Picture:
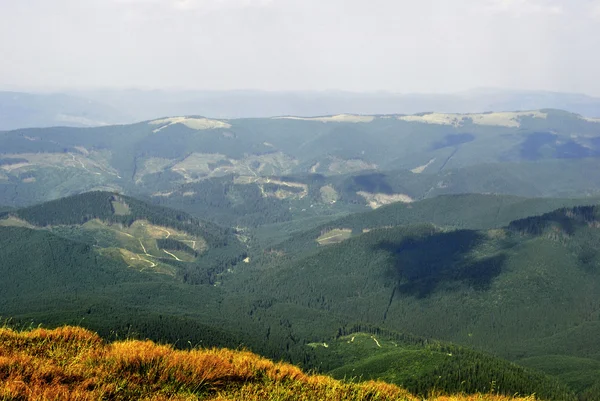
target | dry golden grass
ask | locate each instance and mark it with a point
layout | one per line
(71, 363)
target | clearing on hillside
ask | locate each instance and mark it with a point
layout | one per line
(339, 118)
(141, 237)
(329, 194)
(13, 221)
(121, 208)
(380, 199)
(193, 123)
(502, 119)
(334, 236)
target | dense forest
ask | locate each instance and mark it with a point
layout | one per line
(434, 281)
(67, 282)
(224, 248)
(470, 211)
(443, 365)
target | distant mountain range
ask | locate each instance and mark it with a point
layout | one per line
(250, 172)
(101, 107)
(20, 110)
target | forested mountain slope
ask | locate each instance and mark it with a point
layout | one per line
(529, 289)
(467, 211)
(68, 282)
(67, 273)
(143, 236)
(49, 279)
(117, 209)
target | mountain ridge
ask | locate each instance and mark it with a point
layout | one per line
(296, 168)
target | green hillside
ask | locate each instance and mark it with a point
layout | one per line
(117, 209)
(68, 282)
(419, 365)
(141, 235)
(526, 290)
(468, 211)
(471, 293)
(254, 202)
(52, 280)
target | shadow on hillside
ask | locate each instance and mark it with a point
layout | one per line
(532, 146)
(373, 183)
(426, 264)
(453, 140)
(566, 220)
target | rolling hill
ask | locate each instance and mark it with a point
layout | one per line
(465, 211)
(101, 107)
(234, 171)
(144, 105)
(143, 236)
(528, 290)
(75, 285)
(56, 274)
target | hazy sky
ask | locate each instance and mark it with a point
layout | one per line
(359, 45)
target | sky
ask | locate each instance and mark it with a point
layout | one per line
(425, 46)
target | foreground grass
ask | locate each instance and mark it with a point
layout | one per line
(71, 363)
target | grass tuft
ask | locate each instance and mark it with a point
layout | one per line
(71, 363)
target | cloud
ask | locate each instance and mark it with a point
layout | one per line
(522, 8)
(395, 45)
(225, 3)
(200, 4)
(596, 9)
(192, 5)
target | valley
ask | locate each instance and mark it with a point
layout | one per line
(438, 252)
(298, 200)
